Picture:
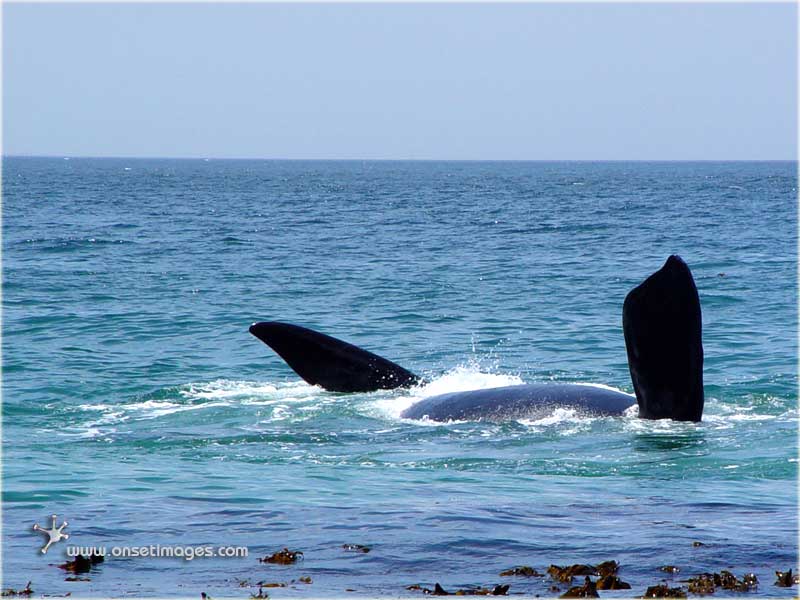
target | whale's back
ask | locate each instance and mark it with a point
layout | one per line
(520, 402)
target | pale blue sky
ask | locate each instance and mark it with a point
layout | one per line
(441, 81)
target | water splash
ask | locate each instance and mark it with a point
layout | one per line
(460, 379)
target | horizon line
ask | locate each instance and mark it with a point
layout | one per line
(356, 159)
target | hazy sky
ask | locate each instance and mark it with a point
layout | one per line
(458, 81)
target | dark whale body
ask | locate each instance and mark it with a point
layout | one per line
(662, 327)
(520, 402)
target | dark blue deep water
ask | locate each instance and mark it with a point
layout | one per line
(137, 406)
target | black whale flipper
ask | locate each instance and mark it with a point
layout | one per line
(330, 363)
(662, 324)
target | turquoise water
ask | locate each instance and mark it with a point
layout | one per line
(137, 406)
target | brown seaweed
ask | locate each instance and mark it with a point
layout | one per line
(669, 569)
(587, 590)
(498, 590)
(283, 557)
(438, 590)
(565, 574)
(81, 563)
(706, 583)
(26, 591)
(609, 567)
(612, 582)
(750, 579)
(785, 578)
(728, 581)
(664, 591)
(702, 584)
(522, 572)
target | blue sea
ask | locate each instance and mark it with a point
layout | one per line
(138, 408)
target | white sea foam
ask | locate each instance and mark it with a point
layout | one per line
(88, 431)
(297, 399)
(460, 379)
(249, 393)
(657, 426)
(224, 388)
(162, 409)
(101, 407)
(631, 412)
(603, 386)
(750, 417)
(560, 415)
(285, 399)
(716, 416)
(150, 409)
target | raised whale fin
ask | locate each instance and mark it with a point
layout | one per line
(662, 324)
(330, 363)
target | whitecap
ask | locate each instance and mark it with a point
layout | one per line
(559, 416)
(460, 379)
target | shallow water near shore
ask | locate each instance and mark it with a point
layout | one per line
(137, 407)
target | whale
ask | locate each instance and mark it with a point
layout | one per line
(662, 331)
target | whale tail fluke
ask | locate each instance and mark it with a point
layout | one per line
(662, 324)
(330, 363)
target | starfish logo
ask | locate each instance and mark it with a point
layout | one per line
(55, 533)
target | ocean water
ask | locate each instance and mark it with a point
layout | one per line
(137, 407)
